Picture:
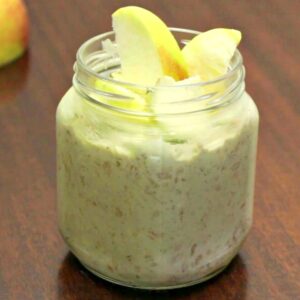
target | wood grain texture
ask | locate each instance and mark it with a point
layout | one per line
(34, 261)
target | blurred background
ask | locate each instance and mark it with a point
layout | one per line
(34, 262)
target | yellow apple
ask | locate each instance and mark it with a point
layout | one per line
(147, 48)
(13, 30)
(208, 55)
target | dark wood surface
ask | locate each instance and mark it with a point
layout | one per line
(34, 261)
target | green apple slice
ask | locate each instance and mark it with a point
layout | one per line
(123, 98)
(146, 47)
(119, 96)
(208, 55)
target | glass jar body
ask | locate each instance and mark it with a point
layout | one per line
(151, 207)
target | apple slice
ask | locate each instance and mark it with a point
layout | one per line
(118, 96)
(208, 54)
(124, 98)
(146, 47)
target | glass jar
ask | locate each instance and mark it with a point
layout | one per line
(155, 184)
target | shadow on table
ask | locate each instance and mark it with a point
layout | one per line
(75, 282)
(13, 78)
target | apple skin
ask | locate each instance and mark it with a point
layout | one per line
(14, 30)
(147, 48)
(208, 54)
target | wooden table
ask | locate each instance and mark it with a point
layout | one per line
(34, 261)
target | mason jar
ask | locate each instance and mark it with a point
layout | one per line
(155, 184)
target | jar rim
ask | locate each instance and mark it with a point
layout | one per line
(80, 61)
(89, 55)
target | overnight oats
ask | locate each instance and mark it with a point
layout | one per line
(156, 150)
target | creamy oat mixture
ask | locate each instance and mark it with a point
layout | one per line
(147, 209)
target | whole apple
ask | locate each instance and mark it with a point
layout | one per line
(14, 27)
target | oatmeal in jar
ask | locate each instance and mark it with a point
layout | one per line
(155, 178)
